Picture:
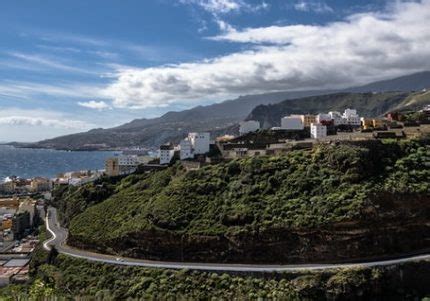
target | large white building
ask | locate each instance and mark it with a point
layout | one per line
(292, 123)
(318, 131)
(167, 152)
(351, 117)
(200, 142)
(185, 149)
(248, 126)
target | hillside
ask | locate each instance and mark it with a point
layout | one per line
(367, 104)
(218, 118)
(366, 200)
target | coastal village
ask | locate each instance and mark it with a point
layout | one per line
(23, 201)
(294, 132)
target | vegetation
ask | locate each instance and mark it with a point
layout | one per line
(68, 277)
(301, 190)
(73, 200)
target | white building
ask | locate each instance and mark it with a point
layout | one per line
(337, 118)
(323, 118)
(249, 126)
(128, 160)
(166, 153)
(200, 142)
(318, 131)
(185, 149)
(351, 117)
(292, 123)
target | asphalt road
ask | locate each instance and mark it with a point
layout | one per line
(59, 237)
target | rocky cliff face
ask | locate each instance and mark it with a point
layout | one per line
(393, 224)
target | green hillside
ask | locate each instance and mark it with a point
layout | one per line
(228, 211)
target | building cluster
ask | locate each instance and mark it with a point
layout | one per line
(193, 145)
(18, 218)
(14, 270)
(125, 164)
(76, 178)
(316, 124)
(305, 130)
(16, 185)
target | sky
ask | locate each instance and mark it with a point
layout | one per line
(70, 66)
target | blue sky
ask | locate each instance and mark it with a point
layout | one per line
(68, 66)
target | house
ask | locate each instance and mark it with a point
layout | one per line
(185, 149)
(200, 142)
(40, 184)
(336, 117)
(366, 123)
(248, 126)
(123, 165)
(351, 117)
(292, 122)
(378, 123)
(307, 119)
(167, 152)
(395, 116)
(318, 131)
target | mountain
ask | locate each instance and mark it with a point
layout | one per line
(367, 104)
(413, 82)
(217, 118)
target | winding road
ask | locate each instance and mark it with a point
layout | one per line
(59, 237)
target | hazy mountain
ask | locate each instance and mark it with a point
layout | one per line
(223, 117)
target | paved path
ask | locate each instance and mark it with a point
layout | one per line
(59, 236)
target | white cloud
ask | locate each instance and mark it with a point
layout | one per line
(28, 90)
(49, 63)
(96, 105)
(40, 118)
(225, 6)
(313, 6)
(362, 48)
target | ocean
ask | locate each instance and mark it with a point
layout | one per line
(29, 163)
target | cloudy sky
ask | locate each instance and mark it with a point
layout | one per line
(68, 66)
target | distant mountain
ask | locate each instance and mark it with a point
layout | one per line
(370, 104)
(412, 82)
(217, 118)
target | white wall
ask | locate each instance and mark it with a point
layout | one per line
(292, 123)
(318, 131)
(200, 142)
(185, 149)
(249, 126)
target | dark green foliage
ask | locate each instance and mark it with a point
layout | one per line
(73, 200)
(75, 278)
(304, 189)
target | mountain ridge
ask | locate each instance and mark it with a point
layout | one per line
(218, 118)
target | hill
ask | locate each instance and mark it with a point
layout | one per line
(219, 118)
(368, 104)
(334, 202)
